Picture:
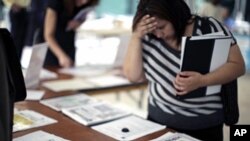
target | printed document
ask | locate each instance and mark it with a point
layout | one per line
(39, 136)
(27, 119)
(95, 113)
(170, 136)
(128, 128)
(59, 103)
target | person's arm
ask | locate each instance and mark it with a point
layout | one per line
(50, 27)
(133, 66)
(234, 68)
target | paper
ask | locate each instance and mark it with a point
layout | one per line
(85, 71)
(28, 119)
(35, 66)
(34, 95)
(68, 85)
(44, 74)
(128, 128)
(204, 54)
(68, 101)
(39, 136)
(108, 81)
(95, 113)
(169, 136)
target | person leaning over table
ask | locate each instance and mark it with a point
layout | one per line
(154, 55)
(59, 30)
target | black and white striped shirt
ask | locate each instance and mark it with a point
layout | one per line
(161, 64)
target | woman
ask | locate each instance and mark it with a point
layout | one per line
(60, 29)
(154, 55)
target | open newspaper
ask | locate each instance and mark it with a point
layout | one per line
(39, 136)
(128, 128)
(27, 119)
(64, 102)
(95, 113)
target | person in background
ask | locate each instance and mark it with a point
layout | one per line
(214, 9)
(35, 21)
(19, 21)
(154, 55)
(59, 30)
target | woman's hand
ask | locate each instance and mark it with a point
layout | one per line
(65, 61)
(188, 81)
(146, 25)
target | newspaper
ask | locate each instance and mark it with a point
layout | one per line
(27, 119)
(39, 136)
(128, 128)
(95, 113)
(68, 101)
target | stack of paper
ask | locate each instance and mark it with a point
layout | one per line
(170, 136)
(95, 113)
(128, 128)
(28, 119)
(39, 136)
(68, 101)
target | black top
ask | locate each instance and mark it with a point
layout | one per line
(64, 38)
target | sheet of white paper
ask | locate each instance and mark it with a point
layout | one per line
(128, 128)
(108, 80)
(68, 85)
(34, 94)
(39, 136)
(68, 101)
(28, 119)
(95, 113)
(85, 71)
(35, 65)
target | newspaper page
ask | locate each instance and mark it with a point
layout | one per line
(95, 113)
(128, 128)
(27, 119)
(39, 136)
(68, 101)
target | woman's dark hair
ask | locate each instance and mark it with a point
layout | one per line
(175, 11)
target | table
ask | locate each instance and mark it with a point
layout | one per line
(68, 128)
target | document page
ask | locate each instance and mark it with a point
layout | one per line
(68, 101)
(39, 136)
(95, 113)
(128, 128)
(34, 94)
(27, 119)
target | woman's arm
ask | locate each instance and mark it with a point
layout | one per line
(234, 68)
(50, 27)
(133, 67)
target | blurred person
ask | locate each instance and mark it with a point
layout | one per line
(59, 30)
(214, 9)
(19, 20)
(154, 54)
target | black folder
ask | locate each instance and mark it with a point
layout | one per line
(204, 54)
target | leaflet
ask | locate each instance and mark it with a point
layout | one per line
(128, 128)
(27, 119)
(68, 101)
(95, 113)
(39, 136)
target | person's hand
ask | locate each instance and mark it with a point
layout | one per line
(65, 61)
(187, 81)
(73, 25)
(146, 25)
